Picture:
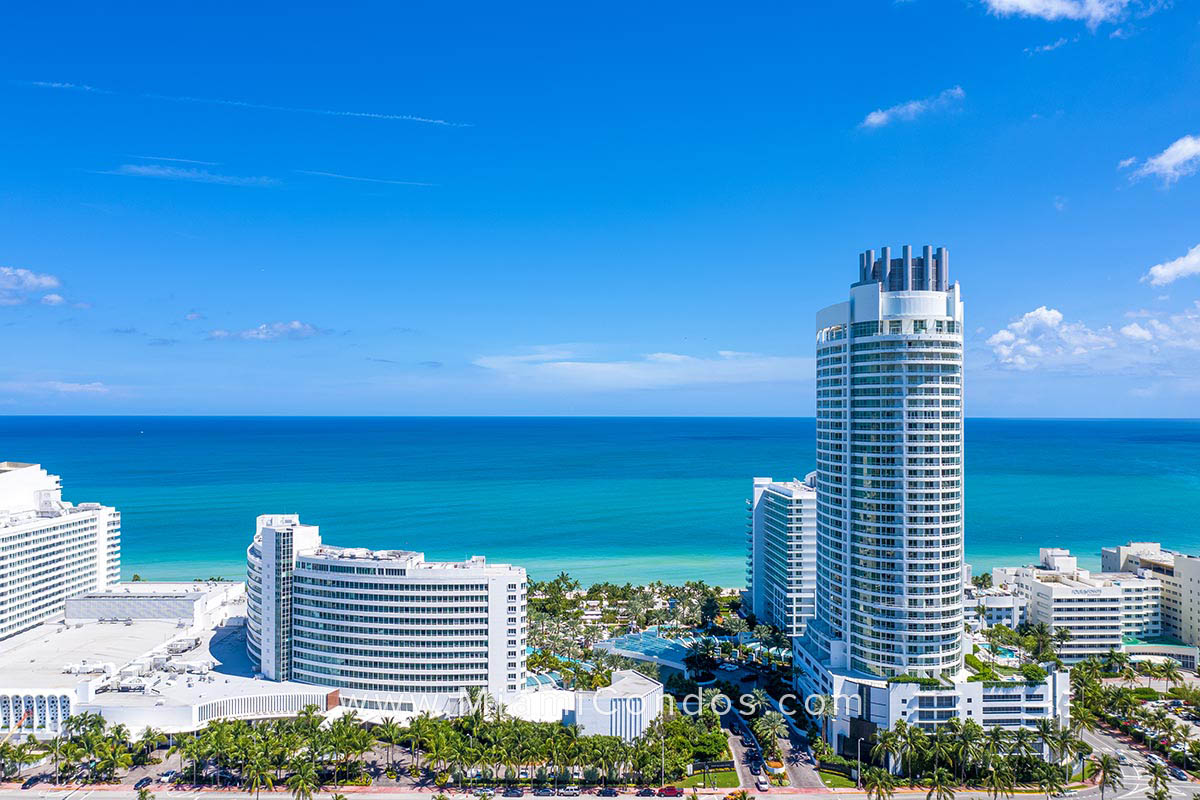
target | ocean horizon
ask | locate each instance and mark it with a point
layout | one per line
(604, 498)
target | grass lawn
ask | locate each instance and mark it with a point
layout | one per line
(835, 780)
(721, 779)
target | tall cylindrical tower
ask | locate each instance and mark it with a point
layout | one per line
(890, 469)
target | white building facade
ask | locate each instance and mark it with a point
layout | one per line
(1180, 578)
(1100, 611)
(781, 560)
(887, 640)
(386, 627)
(50, 549)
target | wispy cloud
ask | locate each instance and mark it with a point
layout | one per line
(192, 316)
(1047, 48)
(1093, 12)
(78, 87)
(17, 285)
(178, 160)
(269, 331)
(1170, 271)
(357, 178)
(189, 174)
(1179, 160)
(216, 101)
(561, 367)
(53, 299)
(53, 387)
(910, 110)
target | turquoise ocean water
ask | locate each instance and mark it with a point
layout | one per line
(621, 499)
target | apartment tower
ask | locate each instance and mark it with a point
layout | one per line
(889, 597)
(781, 559)
(50, 550)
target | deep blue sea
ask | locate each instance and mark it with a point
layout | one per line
(620, 499)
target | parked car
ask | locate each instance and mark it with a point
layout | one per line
(647, 792)
(755, 769)
(544, 792)
(762, 785)
(513, 791)
(1178, 774)
(30, 782)
(484, 791)
(168, 776)
(607, 791)
(670, 791)
(143, 783)
(569, 791)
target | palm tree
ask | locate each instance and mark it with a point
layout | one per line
(258, 775)
(879, 783)
(390, 733)
(1169, 672)
(941, 785)
(999, 780)
(886, 747)
(1050, 780)
(144, 794)
(770, 728)
(1107, 771)
(824, 709)
(1061, 637)
(304, 780)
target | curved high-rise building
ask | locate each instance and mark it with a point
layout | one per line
(890, 470)
(382, 625)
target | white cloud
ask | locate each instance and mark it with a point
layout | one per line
(53, 387)
(17, 285)
(53, 299)
(1046, 48)
(560, 367)
(1160, 344)
(1171, 271)
(1179, 160)
(189, 174)
(269, 331)
(79, 87)
(913, 108)
(1093, 12)
(1060, 203)
(1136, 331)
(192, 316)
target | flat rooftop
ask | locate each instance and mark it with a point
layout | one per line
(35, 659)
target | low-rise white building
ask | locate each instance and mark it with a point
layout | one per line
(625, 709)
(1180, 578)
(50, 549)
(1098, 610)
(1000, 606)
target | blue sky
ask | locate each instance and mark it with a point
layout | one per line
(562, 209)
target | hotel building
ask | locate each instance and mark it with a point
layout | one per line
(384, 626)
(1180, 578)
(887, 639)
(781, 562)
(50, 550)
(1100, 611)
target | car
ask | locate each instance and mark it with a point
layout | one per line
(543, 792)
(670, 791)
(1122, 758)
(31, 782)
(1178, 774)
(607, 791)
(755, 769)
(484, 791)
(569, 791)
(143, 783)
(513, 791)
(762, 785)
(647, 792)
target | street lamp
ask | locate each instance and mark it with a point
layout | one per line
(858, 770)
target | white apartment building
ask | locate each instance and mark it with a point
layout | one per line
(50, 549)
(1100, 611)
(386, 627)
(1180, 577)
(781, 560)
(1000, 606)
(887, 640)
